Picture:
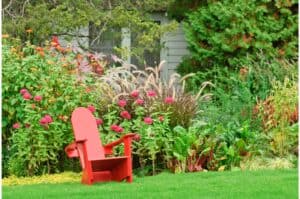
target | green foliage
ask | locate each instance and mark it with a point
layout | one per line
(235, 131)
(39, 20)
(222, 33)
(280, 116)
(33, 147)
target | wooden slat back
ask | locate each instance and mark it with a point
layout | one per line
(85, 128)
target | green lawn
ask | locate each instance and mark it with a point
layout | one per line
(274, 184)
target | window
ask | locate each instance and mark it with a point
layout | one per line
(106, 42)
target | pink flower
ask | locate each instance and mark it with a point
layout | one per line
(122, 103)
(48, 118)
(151, 93)
(161, 118)
(169, 100)
(43, 121)
(137, 137)
(27, 96)
(116, 128)
(91, 108)
(37, 98)
(23, 91)
(16, 125)
(134, 93)
(125, 115)
(148, 120)
(99, 121)
(120, 130)
(139, 101)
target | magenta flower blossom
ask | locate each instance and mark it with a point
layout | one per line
(48, 118)
(43, 121)
(37, 98)
(151, 93)
(27, 96)
(23, 91)
(91, 108)
(148, 120)
(122, 103)
(139, 101)
(169, 100)
(116, 128)
(134, 94)
(120, 130)
(137, 137)
(99, 121)
(16, 125)
(125, 115)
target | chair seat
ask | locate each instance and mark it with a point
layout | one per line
(107, 163)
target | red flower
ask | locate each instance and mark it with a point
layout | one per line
(148, 120)
(169, 100)
(91, 108)
(139, 101)
(55, 41)
(37, 98)
(122, 103)
(161, 118)
(23, 91)
(99, 121)
(151, 93)
(16, 125)
(116, 128)
(137, 137)
(48, 118)
(134, 93)
(43, 121)
(125, 115)
(27, 96)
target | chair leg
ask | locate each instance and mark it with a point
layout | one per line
(129, 179)
(86, 179)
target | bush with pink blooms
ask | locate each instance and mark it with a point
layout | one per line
(43, 85)
(141, 102)
(40, 89)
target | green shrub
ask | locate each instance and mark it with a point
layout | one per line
(279, 115)
(222, 33)
(39, 92)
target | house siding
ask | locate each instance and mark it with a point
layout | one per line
(175, 45)
(175, 48)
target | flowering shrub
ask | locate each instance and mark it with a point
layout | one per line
(146, 88)
(145, 104)
(40, 89)
(43, 85)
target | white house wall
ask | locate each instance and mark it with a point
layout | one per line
(175, 49)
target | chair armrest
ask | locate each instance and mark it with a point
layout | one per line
(108, 147)
(71, 149)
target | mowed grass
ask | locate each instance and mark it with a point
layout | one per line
(264, 184)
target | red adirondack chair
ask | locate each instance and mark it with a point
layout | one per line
(87, 146)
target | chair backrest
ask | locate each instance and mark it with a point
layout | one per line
(85, 128)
